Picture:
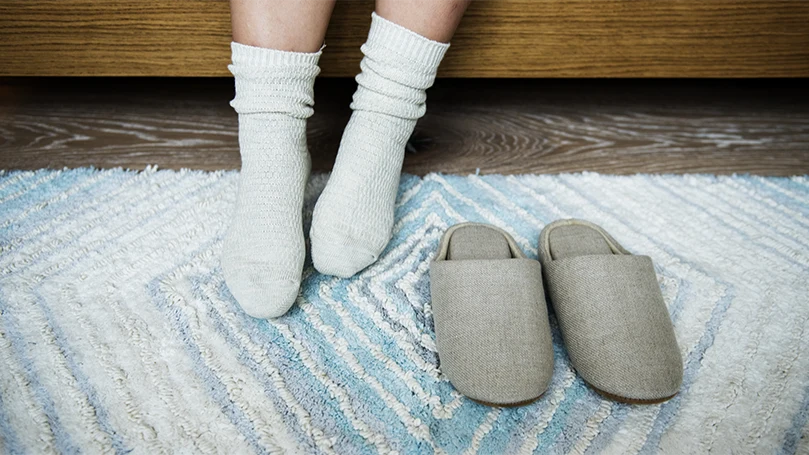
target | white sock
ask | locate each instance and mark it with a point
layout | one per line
(353, 218)
(264, 250)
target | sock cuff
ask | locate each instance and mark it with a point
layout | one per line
(406, 43)
(273, 81)
(243, 54)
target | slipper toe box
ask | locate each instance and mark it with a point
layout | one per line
(492, 329)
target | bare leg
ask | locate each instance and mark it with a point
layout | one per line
(285, 25)
(433, 19)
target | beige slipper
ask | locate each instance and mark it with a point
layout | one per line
(613, 319)
(491, 321)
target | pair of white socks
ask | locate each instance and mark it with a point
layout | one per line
(264, 249)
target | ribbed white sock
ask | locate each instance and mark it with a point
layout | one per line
(264, 250)
(353, 218)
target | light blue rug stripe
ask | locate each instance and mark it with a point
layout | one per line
(82, 379)
(734, 229)
(215, 387)
(239, 351)
(7, 435)
(799, 421)
(789, 192)
(310, 391)
(11, 330)
(365, 402)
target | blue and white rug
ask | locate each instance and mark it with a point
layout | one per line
(117, 333)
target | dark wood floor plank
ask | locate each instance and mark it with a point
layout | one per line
(491, 126)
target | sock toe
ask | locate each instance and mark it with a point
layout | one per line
(259, 297)
(354, 216)
(344, 261)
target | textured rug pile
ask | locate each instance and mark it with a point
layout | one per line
(118, 334)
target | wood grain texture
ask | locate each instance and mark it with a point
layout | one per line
(497, 38)
(494, 126)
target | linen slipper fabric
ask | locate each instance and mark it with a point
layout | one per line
(611, 313)
(491, 320)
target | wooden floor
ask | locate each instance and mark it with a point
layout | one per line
(494, 126)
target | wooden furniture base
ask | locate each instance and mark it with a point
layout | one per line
(497, 38)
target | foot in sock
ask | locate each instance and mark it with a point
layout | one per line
(353, 218)
(264, 249)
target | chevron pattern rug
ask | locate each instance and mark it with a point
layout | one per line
(118, 334)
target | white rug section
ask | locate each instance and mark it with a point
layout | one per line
(117, 332)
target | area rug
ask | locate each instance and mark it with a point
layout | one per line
(118, 334)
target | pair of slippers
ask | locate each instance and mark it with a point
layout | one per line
(491, 319)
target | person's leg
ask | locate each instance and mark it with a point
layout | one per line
(432, 19)
(275, 55)
(284, 25)
(353, 218)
